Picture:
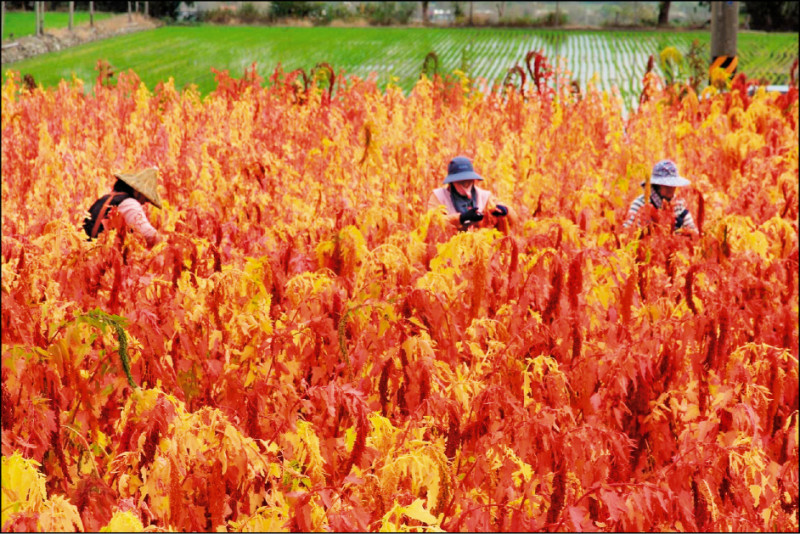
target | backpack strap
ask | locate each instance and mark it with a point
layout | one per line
(679, 220)
(101, 215)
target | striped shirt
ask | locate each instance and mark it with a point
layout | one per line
(677, 205)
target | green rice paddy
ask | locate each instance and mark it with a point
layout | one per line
(187, 53)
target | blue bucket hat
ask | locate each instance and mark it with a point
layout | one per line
(460, 168)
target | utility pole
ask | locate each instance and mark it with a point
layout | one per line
(39, 7)
(724, 24)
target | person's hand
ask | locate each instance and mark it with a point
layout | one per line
(500, 211)
(473, 215)
(154, 240)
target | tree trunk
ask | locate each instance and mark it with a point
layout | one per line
(3, 19)
(71, 14)
(130, 18)
(147, 9)
(724, 23)
(470, 13)
(425, 17)
(91, 14)
(663, 13)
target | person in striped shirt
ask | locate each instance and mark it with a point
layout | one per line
(664, 180)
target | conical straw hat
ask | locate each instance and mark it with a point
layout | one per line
(145, 182)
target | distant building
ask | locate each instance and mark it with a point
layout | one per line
(186, 11)
(441, 16)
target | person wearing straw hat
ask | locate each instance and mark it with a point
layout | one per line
(129, 194)
(664, 180)
(465, 203)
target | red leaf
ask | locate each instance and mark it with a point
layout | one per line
(627, 299)
(616, 506)
(579, 516)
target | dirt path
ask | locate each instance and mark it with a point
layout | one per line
(55, 39)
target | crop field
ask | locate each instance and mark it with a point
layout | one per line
(308, 348)
(607, 59)
(20, 24)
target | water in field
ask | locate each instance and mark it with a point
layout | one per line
(611, 61)
(607, 62)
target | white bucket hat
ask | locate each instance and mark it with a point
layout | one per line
(665, 172)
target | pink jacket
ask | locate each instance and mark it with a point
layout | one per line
(441, 196)
(134, 216)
